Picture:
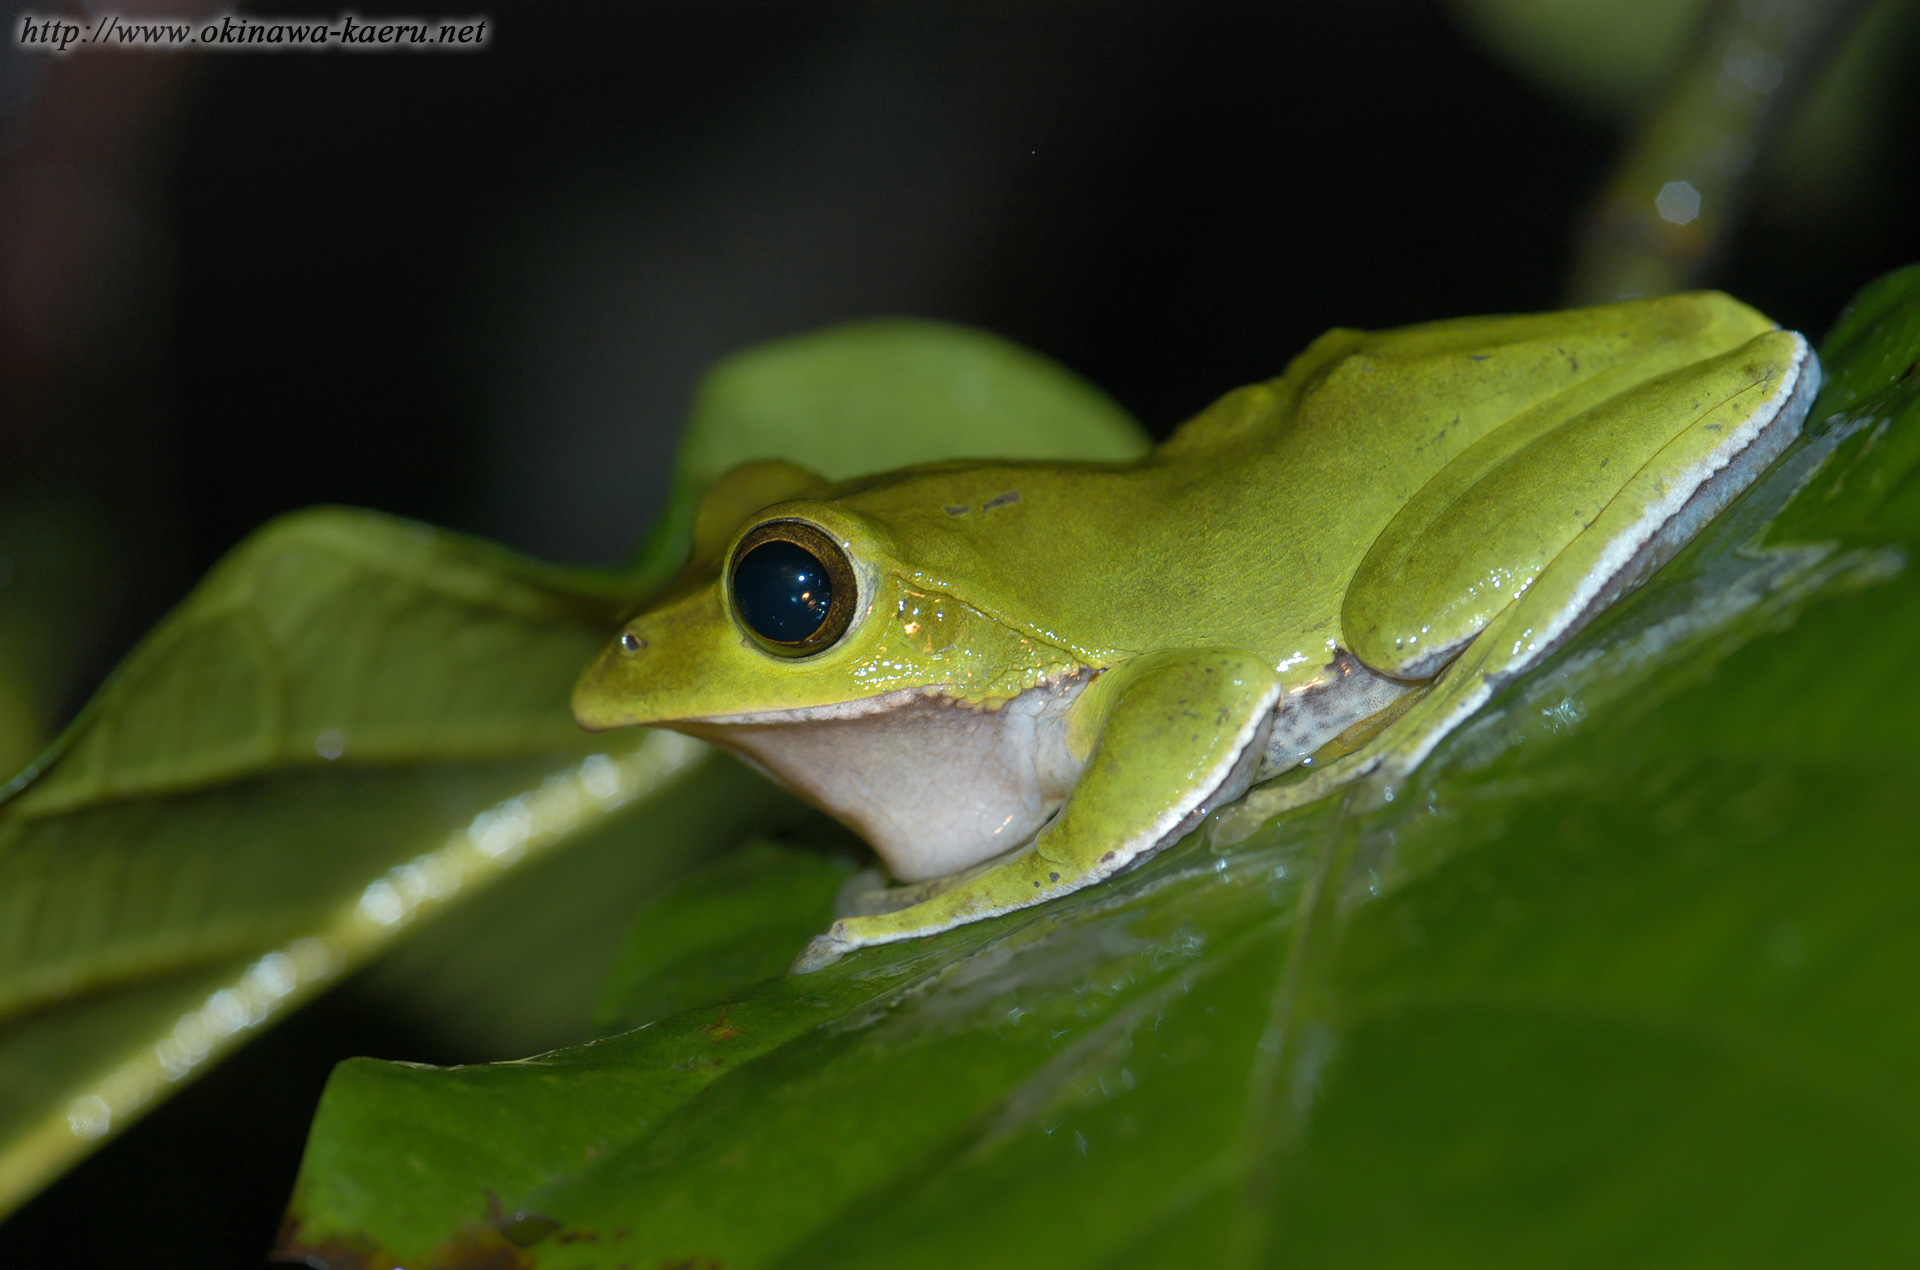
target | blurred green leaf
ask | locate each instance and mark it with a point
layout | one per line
(1604, 55)
(354, 722)
(1617, 978)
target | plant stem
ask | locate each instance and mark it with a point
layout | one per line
(1665, 216)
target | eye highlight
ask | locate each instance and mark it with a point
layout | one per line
(792, 587)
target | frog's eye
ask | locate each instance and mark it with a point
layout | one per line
(792, 587)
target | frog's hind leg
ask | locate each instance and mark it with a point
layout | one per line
(1179, 735)
(1752, 403)
(1669, 500)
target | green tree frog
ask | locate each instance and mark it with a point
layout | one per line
(1018, 679)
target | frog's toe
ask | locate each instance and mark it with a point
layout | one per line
(878, 899)
(822, 951)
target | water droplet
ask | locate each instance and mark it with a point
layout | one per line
(89, 1117)
(1677, 202)
(380, 903)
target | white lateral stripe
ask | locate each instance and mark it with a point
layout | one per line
(1623, 548)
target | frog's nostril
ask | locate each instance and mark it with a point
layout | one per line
(631, 643)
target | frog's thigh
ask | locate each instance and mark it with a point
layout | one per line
(1489, 527)
(1667, 501)
(1181, 736)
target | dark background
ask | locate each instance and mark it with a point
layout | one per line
(479, 289)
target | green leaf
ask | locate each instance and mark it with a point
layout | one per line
(350, 723)
(1871, 349)
(1617, 978)
(723, 928)
(355, 722)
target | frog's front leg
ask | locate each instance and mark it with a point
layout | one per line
(1172, 736)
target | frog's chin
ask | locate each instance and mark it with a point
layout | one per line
(936, 785)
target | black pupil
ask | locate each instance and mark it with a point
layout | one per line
(782, 591)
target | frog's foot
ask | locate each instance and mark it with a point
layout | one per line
(889, 914)
(1180, 737)
(822, 951)
(866, 893)
(1341, 761)
(1246, 817)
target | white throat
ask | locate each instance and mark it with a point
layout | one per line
(934, 784)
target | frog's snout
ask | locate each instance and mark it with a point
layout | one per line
(595, 700)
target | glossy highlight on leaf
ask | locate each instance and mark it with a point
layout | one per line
(1617, 977)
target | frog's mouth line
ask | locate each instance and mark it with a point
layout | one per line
(889, 702)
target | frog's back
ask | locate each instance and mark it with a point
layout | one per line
(1245, 528)
(1309, 468)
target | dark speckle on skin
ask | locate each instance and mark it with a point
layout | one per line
(1036, 883)
(1478, 357)
(1001, 500)
(1053, 877)
(1713, 427)
(956, 509)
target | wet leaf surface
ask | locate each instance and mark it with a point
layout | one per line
(1619, 977)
